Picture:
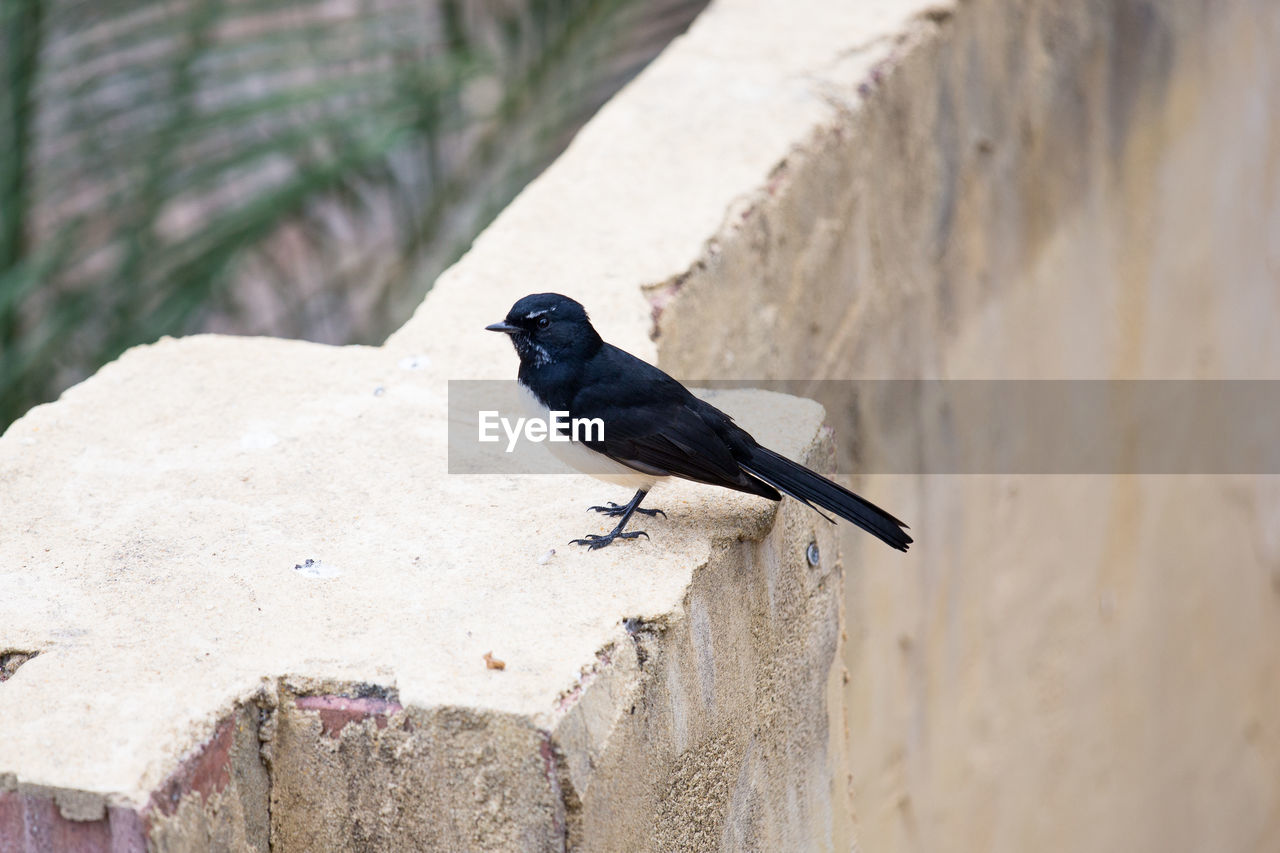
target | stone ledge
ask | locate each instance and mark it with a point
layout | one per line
(187, 670)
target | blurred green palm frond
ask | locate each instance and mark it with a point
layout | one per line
(300, 168)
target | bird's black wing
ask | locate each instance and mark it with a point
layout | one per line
(654, 424)
(680, 444)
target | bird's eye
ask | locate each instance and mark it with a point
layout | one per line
(543, 322)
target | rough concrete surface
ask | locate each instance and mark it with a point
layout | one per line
(994, 188)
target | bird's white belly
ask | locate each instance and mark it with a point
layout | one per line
(582, 458)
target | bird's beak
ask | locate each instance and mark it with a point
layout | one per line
(504, 326)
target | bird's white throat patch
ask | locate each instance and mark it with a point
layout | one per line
(526, 347)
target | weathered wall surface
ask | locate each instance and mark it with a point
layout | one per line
(1038, 190)
(881, 189)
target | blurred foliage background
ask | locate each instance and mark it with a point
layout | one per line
(298, 168)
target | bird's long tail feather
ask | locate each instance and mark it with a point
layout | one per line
(814, 490)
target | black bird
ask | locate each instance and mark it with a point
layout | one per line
(653, 426)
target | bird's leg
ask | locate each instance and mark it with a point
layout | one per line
(593, 541)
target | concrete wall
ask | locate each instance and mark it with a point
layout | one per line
(882, 189)
(1038, 190)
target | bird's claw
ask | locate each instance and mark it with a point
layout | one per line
(612, 510)
(593, 542)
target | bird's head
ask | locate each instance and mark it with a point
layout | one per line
(546, 328)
